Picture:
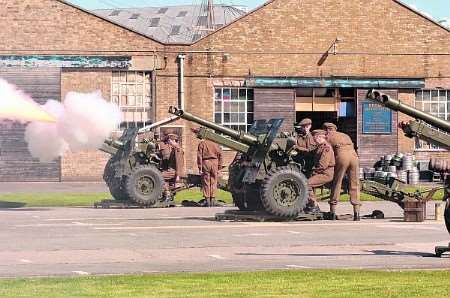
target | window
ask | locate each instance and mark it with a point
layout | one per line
(154, 22)
(175, 30)
(233, 107)
(114, 13)
(434, 102)
(163, 10)
(131, 91)
(134, 16)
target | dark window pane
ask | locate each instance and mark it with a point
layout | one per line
(218, 118)
(250, 94)
(250, 118)
(202, 21)
(227, 107)
(234, 94)
(241, 117)
(435, 95)
(226, 94)
(242, 94)
(250, 106)
(218, 93)
(226, 118)
(234, 117)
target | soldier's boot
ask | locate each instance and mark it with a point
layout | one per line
(213, 202)
(208, 202)
(356, 216)
(333, 212)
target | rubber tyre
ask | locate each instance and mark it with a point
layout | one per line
(115, 184)
(447, 215)
(280, 183)
(151, 182)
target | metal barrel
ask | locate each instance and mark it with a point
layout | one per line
(396, 105)
(234, 134)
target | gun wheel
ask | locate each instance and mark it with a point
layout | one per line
(145, 185)
(115, 184)
(284, 192)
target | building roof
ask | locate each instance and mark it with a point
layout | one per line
(172, 24)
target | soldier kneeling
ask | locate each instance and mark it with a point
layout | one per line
(323, 168)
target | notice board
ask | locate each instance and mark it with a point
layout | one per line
(377, 119)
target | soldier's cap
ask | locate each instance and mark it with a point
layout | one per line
(329, 125)
(195, 129)
(304, 122)
(319, 132)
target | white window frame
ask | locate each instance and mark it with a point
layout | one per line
(443, 97)
(246, 122)
(119, 89)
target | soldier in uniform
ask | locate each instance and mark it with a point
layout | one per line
(347, 162)
(172, 159)
(323, 167)
(305, 141)
(209, 162)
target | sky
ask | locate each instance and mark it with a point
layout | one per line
(438, 9)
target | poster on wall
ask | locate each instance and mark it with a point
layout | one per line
(377, 119)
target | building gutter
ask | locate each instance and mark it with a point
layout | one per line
(301, 82)
(181, 58)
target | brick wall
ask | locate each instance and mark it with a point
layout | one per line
(84, 165)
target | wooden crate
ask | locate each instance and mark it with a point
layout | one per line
(415, 211)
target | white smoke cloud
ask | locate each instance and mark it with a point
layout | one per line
(84, 121)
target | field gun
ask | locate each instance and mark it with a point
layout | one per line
(267, 173)
(425, 127)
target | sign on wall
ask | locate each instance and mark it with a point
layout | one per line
(377, 119)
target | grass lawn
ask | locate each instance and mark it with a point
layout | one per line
(324, 283)
(88, 199)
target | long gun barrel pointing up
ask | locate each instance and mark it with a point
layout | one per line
(396, 105)
(234, 134)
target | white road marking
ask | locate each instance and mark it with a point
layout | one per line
(298, 266)
(35, 216)
(132, 234)
(294, 232)
(25, 261)
(251, 235)
(218, 257)
(75, 224)
(81, 272)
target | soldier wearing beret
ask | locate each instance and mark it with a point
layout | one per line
(347, 162)
(323, 167)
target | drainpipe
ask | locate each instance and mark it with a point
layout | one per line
(181, 58)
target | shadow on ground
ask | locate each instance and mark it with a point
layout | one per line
(11, 205)
(368, 253)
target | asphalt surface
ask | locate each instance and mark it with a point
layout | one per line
(87, 241)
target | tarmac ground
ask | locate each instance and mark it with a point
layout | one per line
(88, 241)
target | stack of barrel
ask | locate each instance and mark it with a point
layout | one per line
(400, 166)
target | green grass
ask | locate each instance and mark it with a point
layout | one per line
(324, 283)
(85, 199)
(88, 199)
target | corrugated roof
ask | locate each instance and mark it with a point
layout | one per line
(171, 24)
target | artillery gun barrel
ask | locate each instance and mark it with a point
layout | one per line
(396, 105)
(240, 136)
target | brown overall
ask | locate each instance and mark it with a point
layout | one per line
(209, 162)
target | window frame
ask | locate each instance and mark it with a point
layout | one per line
(441, 99)
(144, 107)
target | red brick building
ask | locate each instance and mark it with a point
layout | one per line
(288, 58)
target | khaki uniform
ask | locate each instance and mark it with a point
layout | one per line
(347, 162)
(323, 169)
(172, 162)
(209, 161)
(306, 142)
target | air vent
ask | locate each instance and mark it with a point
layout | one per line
(114, 13)
(175, 30)
(163, 10)
(154, 22)
(182, 14)
(134, 16)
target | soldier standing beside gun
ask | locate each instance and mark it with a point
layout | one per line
(323, 167)
(172, 160)
(209, 162)
(347, 162)
(305, 141)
